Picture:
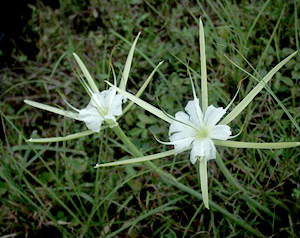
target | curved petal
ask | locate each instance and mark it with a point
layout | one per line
(97, 102)
(182, 145)
(195, 113)
(116, 105)
(176, 126)
(108, 103)
(213, 115)
(92, 118)
(104, 97)
(182, 116)
(179, 135)
(197, 151)
(203, 149)
(211, 153)
(220, 132)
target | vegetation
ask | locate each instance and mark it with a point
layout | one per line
(53, 190)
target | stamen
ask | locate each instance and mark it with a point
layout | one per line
(239, 87)
(64, 99)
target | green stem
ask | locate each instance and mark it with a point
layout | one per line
(239, 187)
(169, 179)
(129, 168)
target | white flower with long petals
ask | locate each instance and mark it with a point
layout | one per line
(104, 106)
(197, 127)
(197, 130)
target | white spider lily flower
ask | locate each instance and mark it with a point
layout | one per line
(192, 128)
(104, 106)
(200, 130)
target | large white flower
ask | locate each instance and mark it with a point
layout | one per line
(197, 130)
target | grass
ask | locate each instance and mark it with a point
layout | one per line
(53, 190)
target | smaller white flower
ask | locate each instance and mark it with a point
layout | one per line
(192, 128)
(103, 106)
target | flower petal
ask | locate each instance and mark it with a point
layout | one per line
(220, 132)
(213, 115)
(181, 129)
(92, 117)
(182, 145)
(86, 74)
(211, 153)
(116, 105)
(61, 138)
(157, 112)
(53, 109)
(203, 148)
(203, 181)
(137, 160)
(195, 113)
(197, 151)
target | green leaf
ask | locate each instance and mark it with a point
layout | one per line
(147, 119)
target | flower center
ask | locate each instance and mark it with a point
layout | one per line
(202, 133)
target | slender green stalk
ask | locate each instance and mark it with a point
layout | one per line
(169, 179)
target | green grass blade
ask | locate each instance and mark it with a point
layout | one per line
(239, 187)
(171, 180)
(143, 216)
(256, 20)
